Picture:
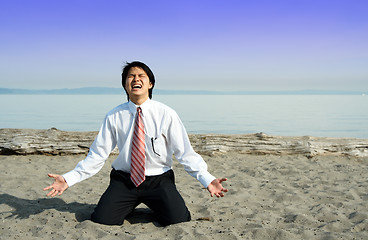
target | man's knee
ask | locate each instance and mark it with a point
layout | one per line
(169, 207)
(174, 218)
(106, 219)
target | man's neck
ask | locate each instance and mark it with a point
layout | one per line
(138, 101)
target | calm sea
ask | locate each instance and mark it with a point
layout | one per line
(283, 115)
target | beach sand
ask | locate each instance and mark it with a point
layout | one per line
(270, 197)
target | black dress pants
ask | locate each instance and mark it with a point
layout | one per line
(159, 193)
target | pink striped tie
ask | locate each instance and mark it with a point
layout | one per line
(137, 172)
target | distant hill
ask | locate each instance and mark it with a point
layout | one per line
(64, 91)
(112, 91)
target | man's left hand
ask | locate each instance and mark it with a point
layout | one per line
(215, 188)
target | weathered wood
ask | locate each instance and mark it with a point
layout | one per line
(47, 142)
(261, 143)
(56, 142)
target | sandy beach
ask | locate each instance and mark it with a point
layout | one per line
(270, 197)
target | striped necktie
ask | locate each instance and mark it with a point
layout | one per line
(137, 172)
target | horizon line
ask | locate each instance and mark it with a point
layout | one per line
(115, 91)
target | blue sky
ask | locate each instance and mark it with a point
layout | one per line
(203, 45)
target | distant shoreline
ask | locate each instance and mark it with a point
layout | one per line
(118, 91)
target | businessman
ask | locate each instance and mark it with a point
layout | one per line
(147, 133)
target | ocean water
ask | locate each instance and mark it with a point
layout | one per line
(282, 115)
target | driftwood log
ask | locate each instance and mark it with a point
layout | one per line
(56, 142)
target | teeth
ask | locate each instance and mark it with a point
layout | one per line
(137, 86)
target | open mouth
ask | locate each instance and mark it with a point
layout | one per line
(137, 87)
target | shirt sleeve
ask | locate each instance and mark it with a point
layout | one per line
(179, 142)
(99, 151)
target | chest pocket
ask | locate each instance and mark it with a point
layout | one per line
(156, 146)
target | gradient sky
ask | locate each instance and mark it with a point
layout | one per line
(204, 45)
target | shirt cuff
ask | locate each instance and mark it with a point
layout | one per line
(205, 179)
(71, 178)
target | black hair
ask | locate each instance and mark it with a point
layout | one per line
(145, 68)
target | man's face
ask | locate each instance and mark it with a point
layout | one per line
(137, 83)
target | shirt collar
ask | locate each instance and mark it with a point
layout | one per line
(144, 106)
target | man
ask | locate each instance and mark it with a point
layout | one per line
(147, 134)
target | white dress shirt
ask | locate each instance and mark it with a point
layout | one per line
(165, 135)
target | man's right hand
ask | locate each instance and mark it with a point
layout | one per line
(58, 187)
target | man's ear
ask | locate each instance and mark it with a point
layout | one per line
(150, 85)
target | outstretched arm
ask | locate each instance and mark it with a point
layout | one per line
(58, 187)
(216, 188)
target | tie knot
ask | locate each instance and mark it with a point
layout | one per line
(139, 109)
